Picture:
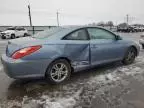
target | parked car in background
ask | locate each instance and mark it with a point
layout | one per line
(141, 29)
(14, 32)
(121, 29)
(137, 29)
(131, 29)
(142, 41)
(56, 53)
(126, 29)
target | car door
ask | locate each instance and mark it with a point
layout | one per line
(104, 46)
(17, 31)
(21, 31)
(77, 48)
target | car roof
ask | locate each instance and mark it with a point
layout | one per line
(68, 29)
(73, 28)
(79, 27)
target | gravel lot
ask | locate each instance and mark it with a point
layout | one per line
(108, 86)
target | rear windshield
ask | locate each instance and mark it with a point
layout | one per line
(48, 33)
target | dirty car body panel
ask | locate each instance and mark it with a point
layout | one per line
(81, 53)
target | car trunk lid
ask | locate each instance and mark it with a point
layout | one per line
(16, 44)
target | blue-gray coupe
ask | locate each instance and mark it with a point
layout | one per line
(57, 52)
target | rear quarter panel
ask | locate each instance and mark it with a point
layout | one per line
(77, 53)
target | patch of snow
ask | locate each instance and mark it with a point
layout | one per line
(63, 102)
(45, 97)
(52, 102)
(134, 70)
(109, 77)
(60, 103)
(140, 59)
(49, 104)
(124, 69)
(1, 68)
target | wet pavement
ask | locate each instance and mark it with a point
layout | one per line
(109, 86)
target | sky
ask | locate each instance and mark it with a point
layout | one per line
(71, 12)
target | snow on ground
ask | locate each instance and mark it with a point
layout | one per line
(1, 67)
(83, 92)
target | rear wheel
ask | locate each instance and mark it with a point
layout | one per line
(129, 56)
(58, 71)
(12, 36)
(25, 35)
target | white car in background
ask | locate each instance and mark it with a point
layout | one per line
(141, 29)
(142, 41)
(14, 32)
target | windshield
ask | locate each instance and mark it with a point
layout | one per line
(11, 28)
(48, 33)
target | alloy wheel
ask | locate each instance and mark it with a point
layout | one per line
(59, 72)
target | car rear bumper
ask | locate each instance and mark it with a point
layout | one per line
(20, 69)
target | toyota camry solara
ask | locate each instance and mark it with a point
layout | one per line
(56, 53)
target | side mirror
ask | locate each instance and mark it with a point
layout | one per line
(118, 37)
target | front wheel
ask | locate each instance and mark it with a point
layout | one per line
(3, 37)
(129, 56)
(25, 35)
(58, 71)
(143, 46)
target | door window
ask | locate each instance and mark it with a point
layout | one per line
(97, 33)
(77, 35)
(20, 29)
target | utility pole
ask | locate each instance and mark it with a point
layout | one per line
(57, 18)
(127, 19)
(29, 12)
(30, 15)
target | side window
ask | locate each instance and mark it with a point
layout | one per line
(97, 33)
(20, 29)
(77, 35)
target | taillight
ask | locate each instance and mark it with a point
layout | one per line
(25, 51)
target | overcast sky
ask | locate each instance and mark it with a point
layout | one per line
(72, 12)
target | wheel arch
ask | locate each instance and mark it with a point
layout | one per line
(13, 34)
(64, 58)
(135, 49)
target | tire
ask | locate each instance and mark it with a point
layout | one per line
(3, 37)
(13, 36)
(25, 35)
(56, 77)
(143, 46)
(129, 56)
